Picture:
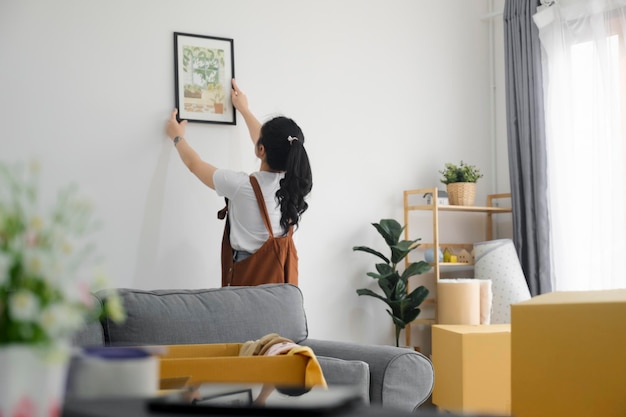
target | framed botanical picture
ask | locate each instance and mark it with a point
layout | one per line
(204, 67)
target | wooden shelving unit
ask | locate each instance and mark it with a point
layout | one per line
(436, 209)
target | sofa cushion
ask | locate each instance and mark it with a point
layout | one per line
(218, 315)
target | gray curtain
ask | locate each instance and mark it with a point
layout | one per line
(526, 142)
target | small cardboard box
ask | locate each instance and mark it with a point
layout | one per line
(569, 354)
(199, 363)
(472, 368)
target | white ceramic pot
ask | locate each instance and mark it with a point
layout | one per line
(101, 372)
(32, 380)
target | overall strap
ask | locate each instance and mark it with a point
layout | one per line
(222, 214)
(259, 199)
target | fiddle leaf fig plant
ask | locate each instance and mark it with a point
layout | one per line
(403, 306)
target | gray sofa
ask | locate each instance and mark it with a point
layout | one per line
(393, 377)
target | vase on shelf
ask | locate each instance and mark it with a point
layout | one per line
(32, 381)
(429, 255)
(461, 193)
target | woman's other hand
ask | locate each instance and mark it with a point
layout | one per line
(173, 128)
(240, 101)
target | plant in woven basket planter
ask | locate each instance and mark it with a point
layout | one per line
(460, 182)
(403, 306)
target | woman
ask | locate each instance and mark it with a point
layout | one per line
(284, 179)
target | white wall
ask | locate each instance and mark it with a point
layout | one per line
(385, 91)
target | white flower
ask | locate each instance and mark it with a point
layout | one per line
(100, 280)
(59, 240)
(23, 306)
(60, 319)
(33, 261)
(76, 292)
(84, 296)
(114, 308)
(36, 223)
(54, 271)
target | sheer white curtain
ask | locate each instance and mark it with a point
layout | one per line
(584, 69)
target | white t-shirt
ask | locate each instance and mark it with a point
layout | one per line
(247, 228)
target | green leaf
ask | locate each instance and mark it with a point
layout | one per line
(388, 285)
(415, 268)
(365, 291)
(372, 251)
(374, 275)
(417, 296)
(384, 269)
(411, 315)
(400, 289)
(399, 323)
(401, 249)
(390, 230)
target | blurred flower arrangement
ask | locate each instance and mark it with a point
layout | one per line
(44, 286)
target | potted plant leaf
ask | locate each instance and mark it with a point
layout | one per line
(403, 306)
(460, 183)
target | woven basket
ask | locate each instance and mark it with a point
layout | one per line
(462, 193)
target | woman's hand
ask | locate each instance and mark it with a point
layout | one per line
(239, 99)
(173, 128)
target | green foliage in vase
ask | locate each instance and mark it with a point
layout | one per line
(403, 306)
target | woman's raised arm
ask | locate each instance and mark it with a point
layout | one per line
(240, 101)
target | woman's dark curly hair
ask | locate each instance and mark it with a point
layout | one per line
(284, 148)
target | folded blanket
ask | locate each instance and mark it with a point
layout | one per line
(273, 344)
(260, 346)
(314, 374)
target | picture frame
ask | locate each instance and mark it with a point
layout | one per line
(203, 69)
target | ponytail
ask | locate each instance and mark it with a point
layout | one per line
(295, 186)
(284, 144)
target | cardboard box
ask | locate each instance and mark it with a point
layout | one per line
(472, 368)
(220, 363)
(569, 354)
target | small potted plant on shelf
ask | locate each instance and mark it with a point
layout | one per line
(460, 183)
(403, 306)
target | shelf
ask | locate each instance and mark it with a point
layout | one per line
(451, 264)
(446, 245)
(466, 209)
(435, 209)
(423, 321)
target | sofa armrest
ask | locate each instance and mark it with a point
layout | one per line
(399, 377)
(353, 373)
(92, 333)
